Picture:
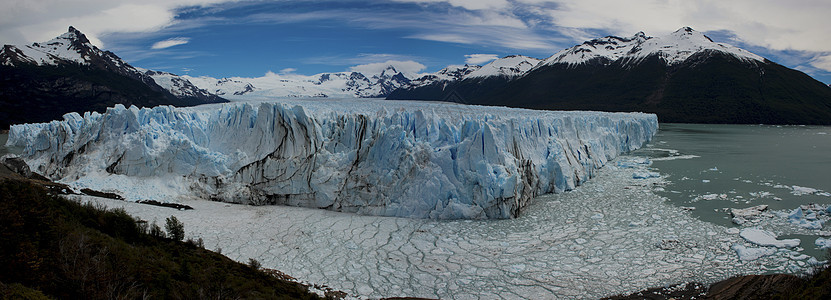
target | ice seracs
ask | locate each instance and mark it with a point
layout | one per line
(411, 159)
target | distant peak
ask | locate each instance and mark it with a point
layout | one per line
(75, 35)
(685, 29)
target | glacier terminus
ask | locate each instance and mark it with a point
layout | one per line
(377, 157)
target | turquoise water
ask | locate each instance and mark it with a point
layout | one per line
(716, 167)
(4, 150)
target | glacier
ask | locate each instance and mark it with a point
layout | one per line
(376, 157)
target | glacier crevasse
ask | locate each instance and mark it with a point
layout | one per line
(389, 158)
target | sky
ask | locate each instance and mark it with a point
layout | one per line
(250, 38)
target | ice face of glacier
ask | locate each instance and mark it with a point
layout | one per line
(409, 159)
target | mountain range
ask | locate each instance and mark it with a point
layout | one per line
(338, 84)
(42, 81)
(683, 77)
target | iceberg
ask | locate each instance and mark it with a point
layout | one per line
(376, 157)
(766, 238)
(751, 253)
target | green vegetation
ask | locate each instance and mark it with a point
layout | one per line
(175, 229)
(50, 246)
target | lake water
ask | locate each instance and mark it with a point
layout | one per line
(3, 149)
(717, 167)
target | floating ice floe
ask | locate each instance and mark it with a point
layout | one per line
(634, 162)
(799, 218)
(645, 175)
(801, 190)
(711, 197)
(766, 238)
(752, 253)
(750, 214)
(823, 243)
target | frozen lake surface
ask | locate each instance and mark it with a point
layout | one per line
(611, 235)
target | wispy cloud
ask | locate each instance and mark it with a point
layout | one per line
(478, 59)
(360, 59)
(464, 23)
(288, 71)
(408, 67)
(822, 61)
(170, 43)
(467, 4)
(23, 22)
(513, 26)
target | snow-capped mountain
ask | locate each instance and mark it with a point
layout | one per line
(43, 81)
(471, 79)
(70, 47)
(672, 49)
(339, 84)
(509, 66)
(506, 67)
(175, 84)
(448, 74)
(682, 77)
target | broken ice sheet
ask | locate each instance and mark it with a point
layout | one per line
(612, 235)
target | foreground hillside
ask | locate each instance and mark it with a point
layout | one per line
(52, 247)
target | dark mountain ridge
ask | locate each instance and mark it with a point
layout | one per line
(43, 81)
(683, 78)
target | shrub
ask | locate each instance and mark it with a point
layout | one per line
(175, 229)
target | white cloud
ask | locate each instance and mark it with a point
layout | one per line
(779, 25)
(543, 26)
(288, 71)
(467, 4)
(170, 43)
(479, 59)
(407, 67)
(822, 62)
(24, 22)
(523, 24)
